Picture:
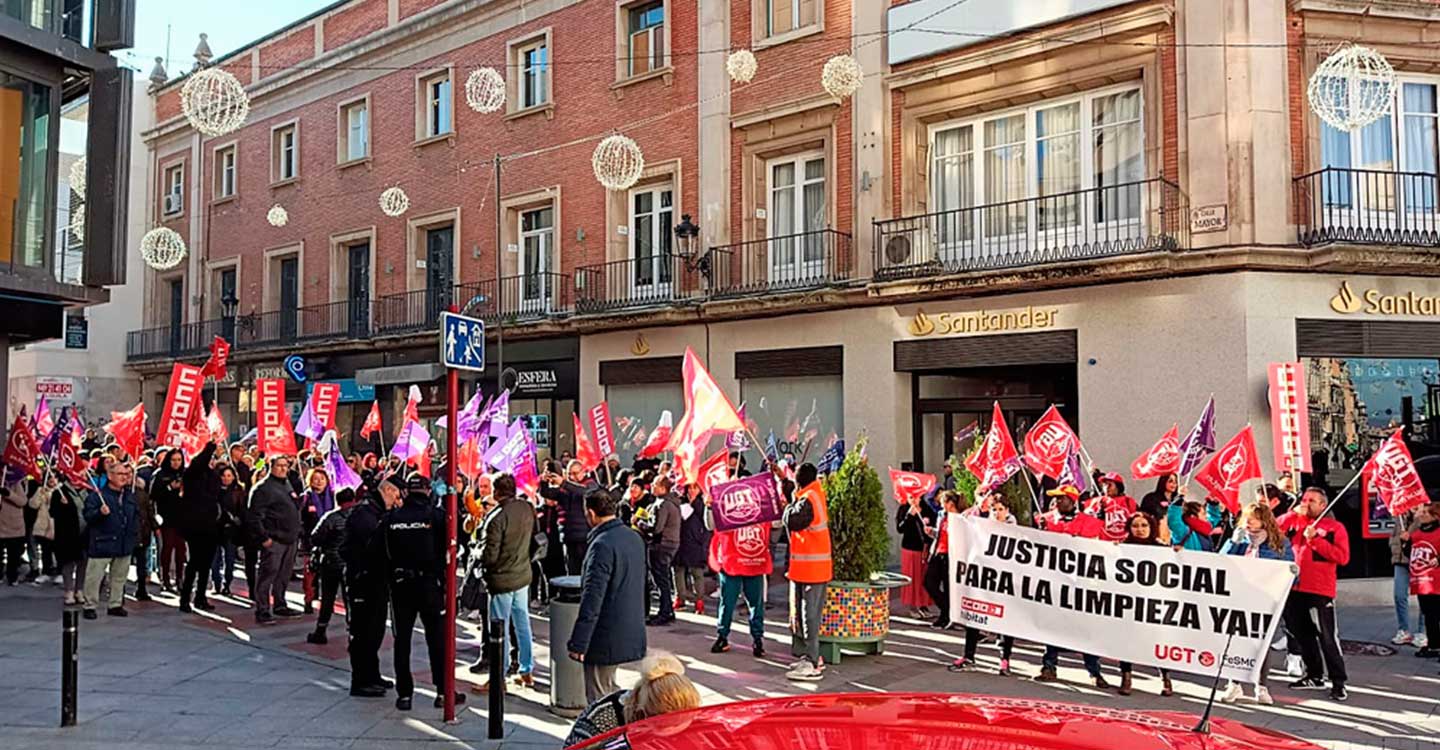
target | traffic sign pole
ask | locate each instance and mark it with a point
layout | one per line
(452, 386)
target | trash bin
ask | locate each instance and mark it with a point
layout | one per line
(567, 676)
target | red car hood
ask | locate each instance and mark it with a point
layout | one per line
(933, 721)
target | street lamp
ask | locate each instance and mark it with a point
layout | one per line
(687, 235)
(228, 304)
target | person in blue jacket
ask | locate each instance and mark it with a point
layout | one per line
(610, 627)
(112, 518)
(1257, 536)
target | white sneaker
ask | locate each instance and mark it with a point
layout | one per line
(1402, 637)
(1279, 643)
(1262, 696)
(42, 580)
(1420, 641)
(1233, 693)
(804, 673)
(1294, 666)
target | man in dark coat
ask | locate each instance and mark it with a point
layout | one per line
(365, 579)
(325, 543)
(111, 517)
(273, 523)
(199, 522)
(662, 537)
(610, 628)
(569, 496)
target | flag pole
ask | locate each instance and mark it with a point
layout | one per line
(1338, 495)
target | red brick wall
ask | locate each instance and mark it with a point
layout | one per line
(411, 7)
(1169, 109)
(1299, 108)
(167, 105)
(361, 18)
(295, 47)
(441, 176)
(897, 151)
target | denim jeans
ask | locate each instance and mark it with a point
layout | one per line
(731, 587)
(1402, 600)
(222, 569)
(514, 604)
(1051, 660)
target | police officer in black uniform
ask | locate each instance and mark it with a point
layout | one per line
(415, 541)
(365, 588)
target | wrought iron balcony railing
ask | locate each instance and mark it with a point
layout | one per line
(1135, 217)
(1367, 206)
(636, 282)
(807, 260)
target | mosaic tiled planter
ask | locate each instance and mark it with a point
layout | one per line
(856, 617)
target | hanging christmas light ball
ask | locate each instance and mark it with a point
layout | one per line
(215, 102)
(618, 162)
(77, 177)
(741, 66)
(485, 90)
(77, 223)
(278, 216)
(162, 248)
(1352, 88)
(842, 76)
(394, 202)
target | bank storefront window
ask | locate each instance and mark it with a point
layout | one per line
(635, 410)
(805, 413)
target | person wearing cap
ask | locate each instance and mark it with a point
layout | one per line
(1066, 519)
(1114, 508)
(366, 596)
(414, 539)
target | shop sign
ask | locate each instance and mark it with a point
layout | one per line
(536, 381)
(55, 388)
(269, 372)
(351, 391)
(77, 331)
(1375, 302)
(982, 321)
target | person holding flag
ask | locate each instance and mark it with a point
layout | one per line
(1425, 572)
(807, 518)
(66, 516)
(1321, 546)
(1068, 520)
(915, 521)
(1258, 536)
(112, 519)
(1114, 508)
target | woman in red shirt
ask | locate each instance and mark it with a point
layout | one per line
(1425, 574)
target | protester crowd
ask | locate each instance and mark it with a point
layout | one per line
(642, 541)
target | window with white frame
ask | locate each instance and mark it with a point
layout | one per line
(797, 212)
(173, 202)
(1053, 166)
(533, 61)
(355, 130)
(437, 102)
(537, 239)
(286, 155)
(652, 221)
(225, 172)
(785, 16)
(646, 37)
(1404, 141)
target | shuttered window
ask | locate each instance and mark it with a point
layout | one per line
(1366, 338)
(1048, 347)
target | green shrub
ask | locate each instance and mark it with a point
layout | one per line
(859, 520)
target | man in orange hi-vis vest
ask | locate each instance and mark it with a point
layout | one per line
(808, 520)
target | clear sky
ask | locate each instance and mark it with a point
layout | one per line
(230, 24)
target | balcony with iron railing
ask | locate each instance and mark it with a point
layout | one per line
(515, 298)
(794, 262)
(1368, 207)
(1101, 222)
(656, 280)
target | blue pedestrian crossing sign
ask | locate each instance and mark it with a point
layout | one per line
(462, 341)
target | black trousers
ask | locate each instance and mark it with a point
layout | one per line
(365, 609)
(1311, 619)
(252, 562)
(574, 557)
(140, 562)
(331, 580)
(664, 581)
(197, 567)
(972, 642)
(423, 598)
(1430, 613)
(13, 549)
(937, 584)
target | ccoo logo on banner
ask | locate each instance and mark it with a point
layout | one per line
(1146, 605)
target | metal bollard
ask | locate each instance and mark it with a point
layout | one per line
(69, 665)
(495, 649)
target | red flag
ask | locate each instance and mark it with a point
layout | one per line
(1289, 417)
(910, 484)
(713, 471)
(183, 407)
(69, 463)
(468, 457)
(22, 452)
(600, 424)
(217, 364)
(997, 459)
(1234, 464)
(1049, 444)
(1162, 458)
(412, 405)
(372, 421)
(128, 429)
(707, 408)
(274, 434)
(1391, 471)
(215, 422)
(659, 437)
(585, 451)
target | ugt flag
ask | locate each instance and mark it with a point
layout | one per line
(1391, 471)
(1162, 458)
(997, 460)
(1234, 464)
(22, 452)
(1049, 444)
(908, 484)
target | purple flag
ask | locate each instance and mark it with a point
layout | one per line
(466, 417)
(510, 448)
(1073, 473)
(746, 501)
(1200, 442)
(497, 418)
(341, 475)
(308, 425)
(62, 429)
(411, 442)
(737, 441)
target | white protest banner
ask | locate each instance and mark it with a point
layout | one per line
(1141, 604)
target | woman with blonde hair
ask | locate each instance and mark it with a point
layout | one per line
(1257, 535)
(663, 688)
